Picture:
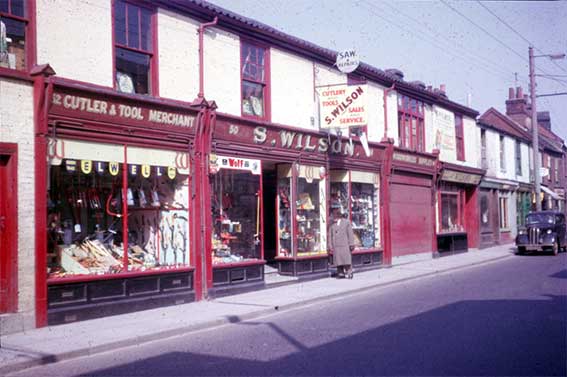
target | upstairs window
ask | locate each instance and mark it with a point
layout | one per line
(502, 154)
(518, 156)
(254, 69)
(557, 168)
(460, 137)
(133, 48)
(410, 121)
(13, 26)
(484, 161)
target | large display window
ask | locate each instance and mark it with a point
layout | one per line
(451, 209)
(358, 194)
(236, 200)
(301, 210)
(116, 208)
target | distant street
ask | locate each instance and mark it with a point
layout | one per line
(504, 318)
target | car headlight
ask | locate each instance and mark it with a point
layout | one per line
(548, 231)
(522, 232)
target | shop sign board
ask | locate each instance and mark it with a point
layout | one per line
(235, 163)
(343, 106)
(460, 177)
(347, 60)
(560, 192)
(115, 111)
(444, 128)
(413, 159)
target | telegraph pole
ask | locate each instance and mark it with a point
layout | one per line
(535, 132)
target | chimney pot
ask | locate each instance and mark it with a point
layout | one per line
(511, 93)
(442, 88)
(519, 92)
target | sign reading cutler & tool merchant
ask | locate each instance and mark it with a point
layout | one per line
(119, 111)
(343, 106)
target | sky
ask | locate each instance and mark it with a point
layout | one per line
(474, 48)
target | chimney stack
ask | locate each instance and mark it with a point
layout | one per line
(517, 107)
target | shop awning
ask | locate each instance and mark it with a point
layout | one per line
(550, 193)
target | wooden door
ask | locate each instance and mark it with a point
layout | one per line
(8, 228)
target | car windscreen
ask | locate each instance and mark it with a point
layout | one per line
(537, 218)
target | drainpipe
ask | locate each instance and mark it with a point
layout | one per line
(202, 28)
(386, 92)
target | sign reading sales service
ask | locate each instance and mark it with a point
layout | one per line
(342, 106)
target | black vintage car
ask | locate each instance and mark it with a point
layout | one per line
(544, 231)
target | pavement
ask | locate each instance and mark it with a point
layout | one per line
(56, 343)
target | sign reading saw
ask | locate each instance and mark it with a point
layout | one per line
(343, 106)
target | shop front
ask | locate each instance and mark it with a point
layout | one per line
(498, 201)
(457, 209)
(118, 205)
(271, 189)
(523, 203)
(412, 190)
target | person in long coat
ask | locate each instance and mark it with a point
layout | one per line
(341, 244)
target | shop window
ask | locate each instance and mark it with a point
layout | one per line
(451, 212)
(13, 26)
(518, 158)
(255, 71)
(301, 216)
(357, 194)
(503, 208)
(134, 48)
(410, 122)
(485, 212)
(459, 137)
(236, 209)
(88, 201)
(502, 154)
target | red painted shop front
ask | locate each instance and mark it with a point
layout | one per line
(412, 203)
(271, 192)
(118, 210)
(458, 214)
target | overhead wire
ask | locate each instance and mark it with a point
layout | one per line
(454, 44)
(503, 74)
(517, 32)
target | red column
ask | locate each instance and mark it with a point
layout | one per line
(472, 217)
(42, 100)
(385, 203)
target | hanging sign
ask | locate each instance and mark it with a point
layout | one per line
(235, 163)
(99, 167)
(86, 166)
(71, 165)
(114, 168)
(171, 172)
(342, 106)
(347, 61)
(133, 170)
(146, 171)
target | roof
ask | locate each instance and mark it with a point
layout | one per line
(499, 122)
(502, 123)
(262, 32)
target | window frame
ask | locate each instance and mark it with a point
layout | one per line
(29, 36)
(459, 195)
(153, 76)
(267, 115)
(460, 137)
(406, 117)
(483, 159)
(504, 221)
(502, 148)
(518, 157)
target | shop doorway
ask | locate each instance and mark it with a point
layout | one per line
(269, 185)
(8, 228)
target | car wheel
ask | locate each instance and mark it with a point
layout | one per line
(555, 248)
(521, 250)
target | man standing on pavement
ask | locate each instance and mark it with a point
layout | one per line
(341, 244)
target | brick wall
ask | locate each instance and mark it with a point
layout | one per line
(17, 126)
